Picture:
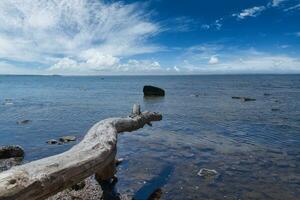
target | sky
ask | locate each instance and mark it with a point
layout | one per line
(130, 37)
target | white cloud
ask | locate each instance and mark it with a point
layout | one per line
(205, 26)
(97, 59)
(240, 61)
(204, 53)
(105, 64)
(250, 12)
(176, 69)
(139, 66)
(60, 32)
(276, 3)
(213, 60)
(218, 24)
(65, 64)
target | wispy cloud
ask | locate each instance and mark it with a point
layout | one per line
(292, 8)
(61, 32)
(250, 12)
(276, 3)
(180, 24)
(216, 25)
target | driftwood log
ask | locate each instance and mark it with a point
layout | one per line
(95, 154)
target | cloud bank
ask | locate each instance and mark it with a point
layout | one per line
(86, 35)
(222, 59)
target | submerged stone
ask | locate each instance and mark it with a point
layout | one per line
(78, 186)
(11, 152)
(207, 173)
(8, 102)
(26, 121)
(52, 141)
(275, 109)
(243, 98)
(156, 194)
(119, 161)
(68, 138)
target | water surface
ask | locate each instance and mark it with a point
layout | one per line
(256, 150)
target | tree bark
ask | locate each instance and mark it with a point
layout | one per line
(94, 154)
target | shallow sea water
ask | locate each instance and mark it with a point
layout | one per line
(255, 150)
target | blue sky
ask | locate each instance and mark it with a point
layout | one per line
(93, 37)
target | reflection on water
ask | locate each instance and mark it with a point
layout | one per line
(254, 146)
(153, 99)
(155, 183)
(246, 171)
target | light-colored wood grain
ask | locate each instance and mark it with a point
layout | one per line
(45, 177)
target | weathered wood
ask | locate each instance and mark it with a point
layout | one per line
(136, 110)
(107, 173)
(45, 177)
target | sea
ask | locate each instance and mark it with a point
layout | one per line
(253, 146)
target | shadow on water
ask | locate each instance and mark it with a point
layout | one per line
(154, 185)
(153, 99)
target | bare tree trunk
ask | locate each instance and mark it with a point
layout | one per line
(95, 154)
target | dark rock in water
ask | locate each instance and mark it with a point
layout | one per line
(8, 102)
(26, 121)
(195, 95)
(155, 195)
(52, 141)
(243, 98)
(275, 109)
(11, 152)
(119, 161)
(267, 94)
(207, 173)
(248, 99)
(153, 91)
(67, 138)
(78, 186)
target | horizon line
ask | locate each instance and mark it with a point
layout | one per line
(99, 75)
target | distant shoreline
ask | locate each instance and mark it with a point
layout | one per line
(156, 75)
